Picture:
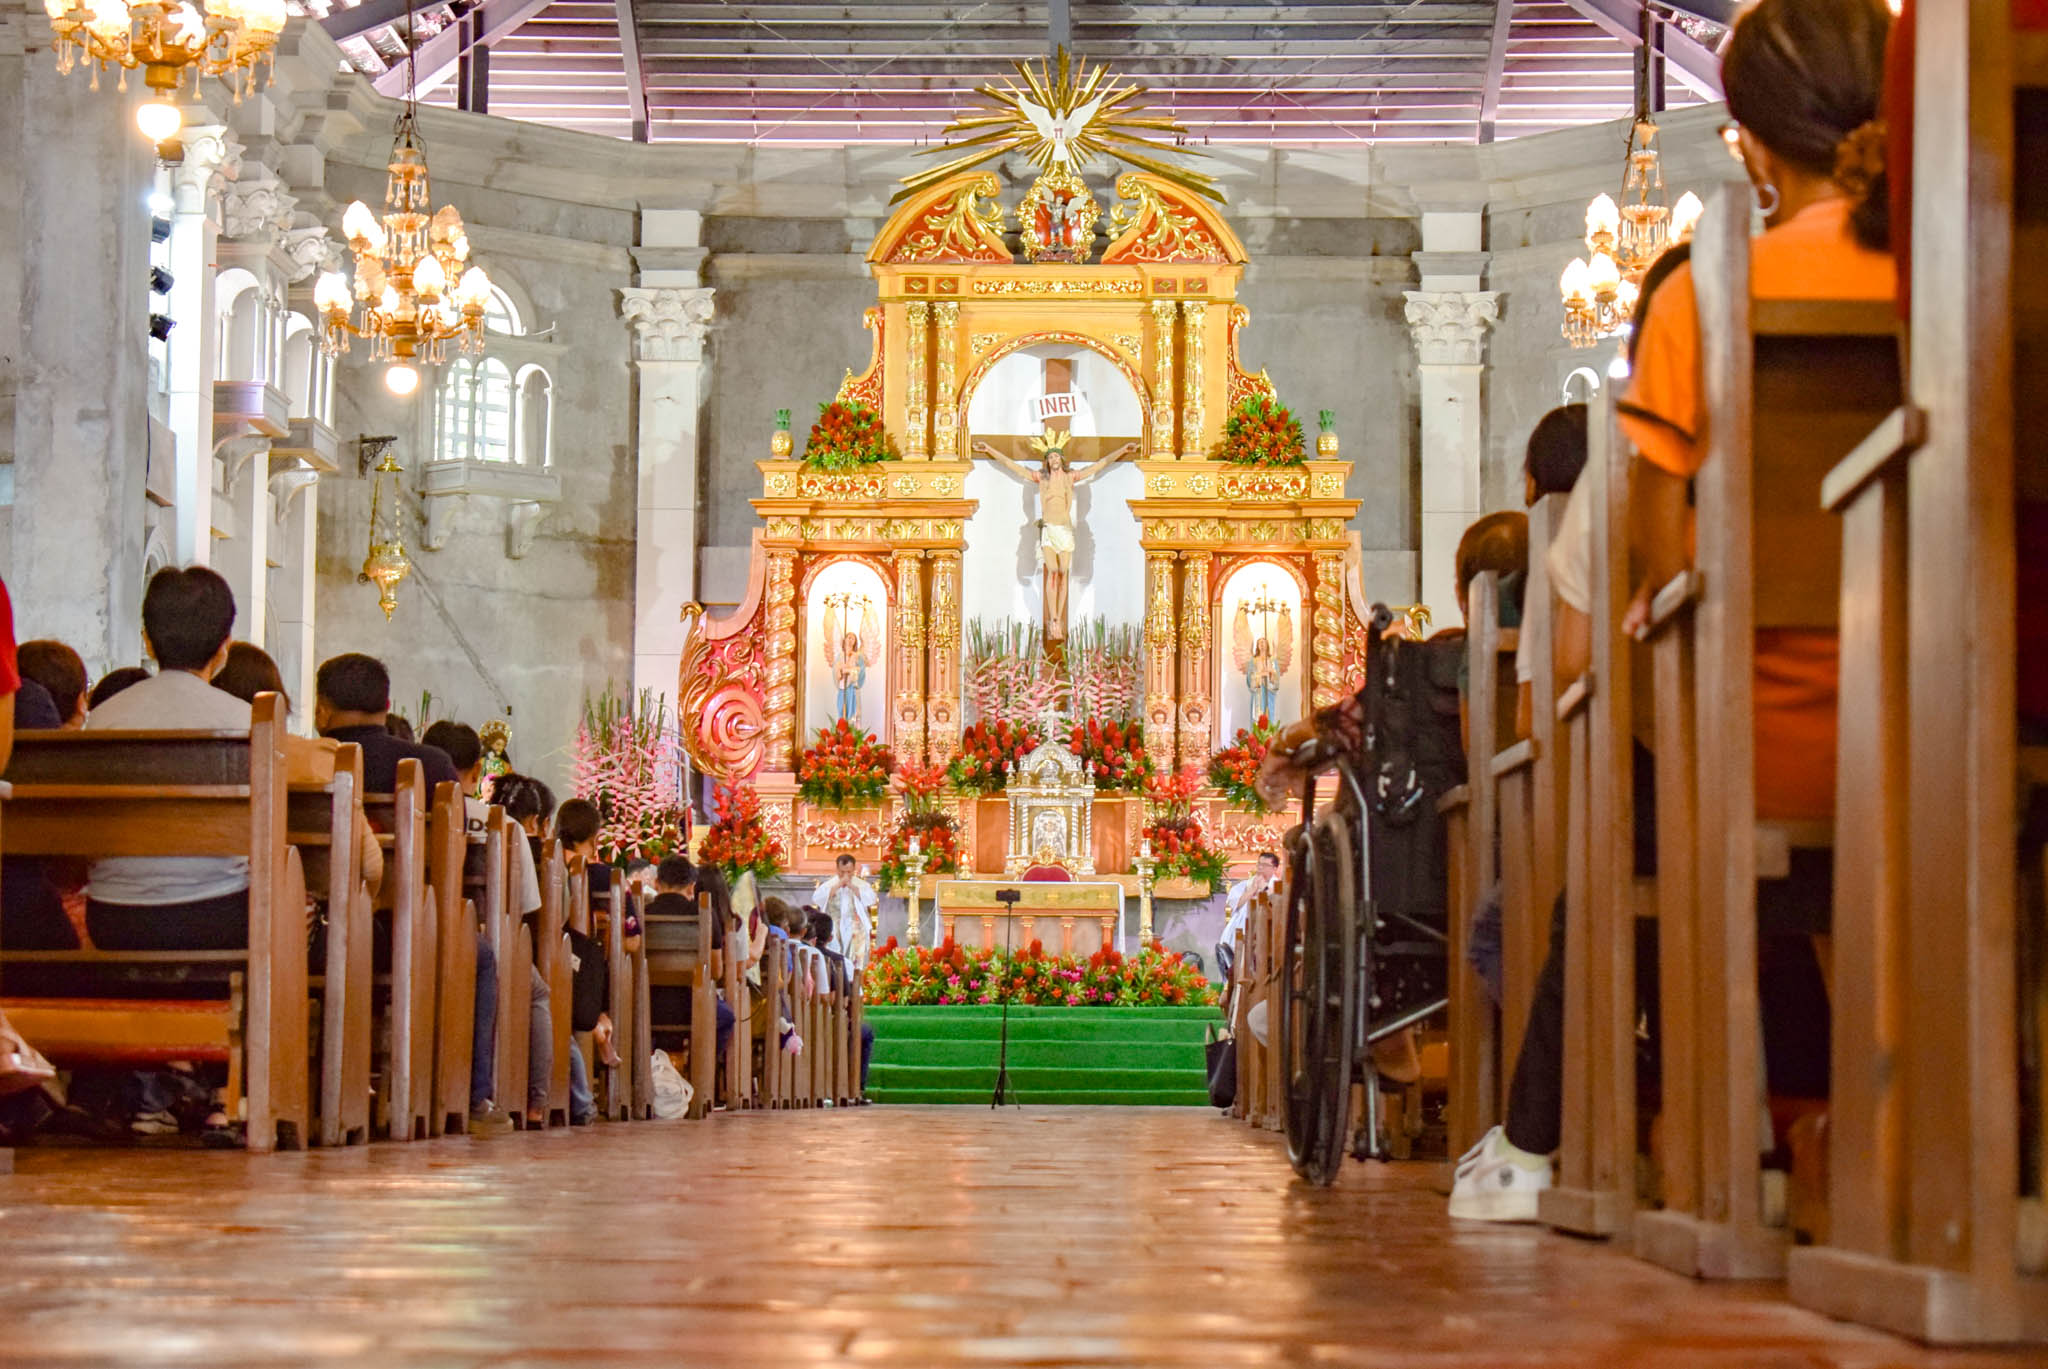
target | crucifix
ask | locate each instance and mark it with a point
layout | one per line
(1068, 462)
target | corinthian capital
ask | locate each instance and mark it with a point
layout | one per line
(668, 321)
(213, 157)
(1449, 326)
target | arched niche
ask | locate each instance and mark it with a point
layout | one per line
(838, 590)
(1263, 601)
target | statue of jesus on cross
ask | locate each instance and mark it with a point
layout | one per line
(1056, 483)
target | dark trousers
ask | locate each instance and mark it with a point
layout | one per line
(867, 1052)
(483, 1048)
(207, 924)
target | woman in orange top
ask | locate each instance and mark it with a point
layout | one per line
(1803, 79)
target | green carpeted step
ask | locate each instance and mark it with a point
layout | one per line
(1065, 1056)
(1164, 1098)
(892, 1049)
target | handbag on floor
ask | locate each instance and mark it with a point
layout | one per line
(1221, 1054)
(672, 1092)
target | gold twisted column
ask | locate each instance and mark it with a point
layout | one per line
(1194, 317)
(909, 741)
(1326, 643)
(916, 416)
(1197, 710)
(778, 621)
(1162, 378)
(1160, 705)
(942, 690)
(946, 402)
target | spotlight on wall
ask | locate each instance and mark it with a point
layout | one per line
(160, 281)
(160, 326)
(159, 229)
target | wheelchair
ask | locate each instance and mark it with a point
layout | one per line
(1351, 977)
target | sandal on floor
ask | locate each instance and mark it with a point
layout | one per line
(218, 1133)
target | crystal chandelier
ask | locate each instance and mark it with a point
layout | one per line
(415, 294)
(1600, 289)
(228, 39)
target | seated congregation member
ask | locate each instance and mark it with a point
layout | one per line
(1265, 878)
(1551, 463)
(353, 704)
(57, 671)
(174, 902)
(22, 1068)
(848, 900)
(113, 682)
(844, 978)
(308, 760)
(1804, 79)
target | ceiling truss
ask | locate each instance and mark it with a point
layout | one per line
(804, 72)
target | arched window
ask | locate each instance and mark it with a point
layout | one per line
(239, 336)
(536, 394)
(482, 412)
(301, 372)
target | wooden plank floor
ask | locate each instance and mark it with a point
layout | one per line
(899, 1236)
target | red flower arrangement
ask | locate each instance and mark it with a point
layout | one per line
(738, 841)
(1235, 769)
(847, 435)
(944, 975)
(1261, 432)
(844, 767)
(1114, 753)
(937, 834)
(988, 753)
(1179, 842)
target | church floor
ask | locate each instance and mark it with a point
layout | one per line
(912, 1237)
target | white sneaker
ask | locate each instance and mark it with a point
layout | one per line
(1496, 1183)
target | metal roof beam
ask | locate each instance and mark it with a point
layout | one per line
(1695, 65)
(436, 58)
(368, 17)
(636, 74)
(1496, 67)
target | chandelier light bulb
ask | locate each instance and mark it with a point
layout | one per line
(429, 281)
(362, 227)
(401, 379)
(1574, 284)
(330, 293)
(390, 301)
(475, 290)
(1603, 277)
(159, 120)
(1618, 369)
(1685, 216)
(1602, 216)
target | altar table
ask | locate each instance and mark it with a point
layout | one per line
(969, 914)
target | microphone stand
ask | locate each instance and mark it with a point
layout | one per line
(1009, 898)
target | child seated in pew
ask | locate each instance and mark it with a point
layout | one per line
(113, 682)
(32, 890)
(677, 884)
(57, 671)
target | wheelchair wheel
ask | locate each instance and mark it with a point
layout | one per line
(1318, 1000)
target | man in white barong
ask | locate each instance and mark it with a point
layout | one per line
(849, 901)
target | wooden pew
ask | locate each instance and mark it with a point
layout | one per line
(455, 930)
(400, 820)
(739, 1063)
(512, 943)
(553, 947)
(623, 1094)
(676, 951)
(176, 793)
(1273, 961)
(1596, 1188)
(1533, 777)
(325, 823)
(774, 986)
(1472, 823)
(1792, 386)
(1938, 961)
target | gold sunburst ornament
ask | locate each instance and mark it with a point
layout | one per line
(1065, 115)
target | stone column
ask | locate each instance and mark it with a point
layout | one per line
(1194, 317)
(945, 397)
(212, 158)
(296, 495)
(917, 413)
(909, 704)
(942, 701)
(1162, 379)
(1449, 328)
(668, 352)
(74, 358)
(1197, 709)
(778, 621)
(1160, 702)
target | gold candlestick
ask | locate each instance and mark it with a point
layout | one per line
(913, 866)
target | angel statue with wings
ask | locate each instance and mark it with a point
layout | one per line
(1056, 485)
(848, 653)
(1263, 656)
